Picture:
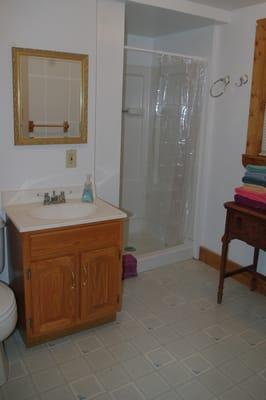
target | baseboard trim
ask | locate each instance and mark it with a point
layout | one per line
(213, 260)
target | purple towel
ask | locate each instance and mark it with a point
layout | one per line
(244, 201)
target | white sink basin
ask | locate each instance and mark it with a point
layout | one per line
(64, 211)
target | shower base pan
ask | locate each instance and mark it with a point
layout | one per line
(167, 256)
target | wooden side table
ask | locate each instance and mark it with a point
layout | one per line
(248, 225)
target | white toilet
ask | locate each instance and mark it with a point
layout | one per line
(8, 311)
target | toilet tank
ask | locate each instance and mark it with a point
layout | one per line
(2, 245)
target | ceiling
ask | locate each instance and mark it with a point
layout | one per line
(150, 21)
(229, 4)
(145, 20)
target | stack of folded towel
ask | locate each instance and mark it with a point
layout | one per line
(253, 192)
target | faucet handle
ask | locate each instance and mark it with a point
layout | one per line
(54, 196)
(62, 197)
(47, 198)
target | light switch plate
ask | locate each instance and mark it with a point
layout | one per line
(71, 158)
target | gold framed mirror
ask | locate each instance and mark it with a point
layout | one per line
(50, 92)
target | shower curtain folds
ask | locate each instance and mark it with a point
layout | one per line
(176, 87)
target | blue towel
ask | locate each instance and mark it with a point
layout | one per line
(254, 181)
(260, 169)
(256, 175)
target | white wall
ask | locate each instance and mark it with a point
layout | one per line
(189, 7)
(110, 53)
(138, 57)
(227, 134)
(196, 42)
(69, 26)
(48, 25)
(140, 41)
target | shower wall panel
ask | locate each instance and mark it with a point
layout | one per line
(135, 142)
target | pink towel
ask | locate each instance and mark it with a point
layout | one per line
(252, 194)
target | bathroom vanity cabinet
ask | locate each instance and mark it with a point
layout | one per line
(65, 279)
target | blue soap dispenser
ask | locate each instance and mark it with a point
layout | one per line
(88, 195)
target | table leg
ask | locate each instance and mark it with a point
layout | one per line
(255, 264)
(222, 270)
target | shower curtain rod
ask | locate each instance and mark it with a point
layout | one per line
(165, 53)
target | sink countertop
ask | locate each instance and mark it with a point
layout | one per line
(21, 217)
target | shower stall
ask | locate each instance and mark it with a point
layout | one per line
(162, 114)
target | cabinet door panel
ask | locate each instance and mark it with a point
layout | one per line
(99, 283)
(54, 285)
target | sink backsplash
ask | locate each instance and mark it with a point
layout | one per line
(13, 197)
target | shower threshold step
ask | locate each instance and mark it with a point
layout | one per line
(130, 248)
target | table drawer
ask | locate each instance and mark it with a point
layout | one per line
(244, 227)
(58, 242)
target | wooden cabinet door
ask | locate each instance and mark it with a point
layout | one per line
(99, 283)
(54, 294)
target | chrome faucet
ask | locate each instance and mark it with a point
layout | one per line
(54, 198)
(47, 199)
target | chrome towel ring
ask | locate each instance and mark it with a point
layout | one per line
(218, 88)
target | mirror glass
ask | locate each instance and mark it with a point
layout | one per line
(50, 97)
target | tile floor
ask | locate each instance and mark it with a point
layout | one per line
(170, 342)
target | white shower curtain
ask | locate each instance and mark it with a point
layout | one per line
(175, 120)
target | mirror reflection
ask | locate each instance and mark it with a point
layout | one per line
(52, 97)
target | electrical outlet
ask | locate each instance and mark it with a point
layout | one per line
(71, 158)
